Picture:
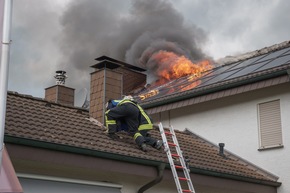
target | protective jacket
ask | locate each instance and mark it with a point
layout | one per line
(133, 118)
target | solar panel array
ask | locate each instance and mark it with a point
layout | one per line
(221, 74)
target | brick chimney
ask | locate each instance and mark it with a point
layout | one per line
(111, 80)
(60, 93)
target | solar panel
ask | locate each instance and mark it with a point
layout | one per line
(217, 71)
(249, 62)
(276, 54)
(274, 63)
(228, 66)
(248, 69)
(261, 63)
(219, 77)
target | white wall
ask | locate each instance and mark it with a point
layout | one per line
(233, 121)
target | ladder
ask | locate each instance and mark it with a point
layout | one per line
(177, 155)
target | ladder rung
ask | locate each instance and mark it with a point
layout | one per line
(186, 191)
(172, 144)
(168, 133)
(178, 167)
(175, 155)
(181, 178)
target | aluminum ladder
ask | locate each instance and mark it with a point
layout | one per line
(178, 155)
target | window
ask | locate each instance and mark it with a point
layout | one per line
(47, 184)
(270, 129)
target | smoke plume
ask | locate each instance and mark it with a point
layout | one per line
(95, 28)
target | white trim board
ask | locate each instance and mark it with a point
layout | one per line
(69, 180)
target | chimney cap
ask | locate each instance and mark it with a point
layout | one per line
(60, 77)
(112, 63)
(107, 64)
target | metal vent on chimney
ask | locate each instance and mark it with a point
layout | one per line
(60, 77)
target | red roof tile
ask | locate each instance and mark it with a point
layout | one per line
(29, 118)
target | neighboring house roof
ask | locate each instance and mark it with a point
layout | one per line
(39, 123)
(258, 69)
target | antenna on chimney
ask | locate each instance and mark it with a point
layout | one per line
(60, 77)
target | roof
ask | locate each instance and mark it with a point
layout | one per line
(37, 122)
(250, 68)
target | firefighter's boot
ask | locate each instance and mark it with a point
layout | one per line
(158, 144)
(143, 147)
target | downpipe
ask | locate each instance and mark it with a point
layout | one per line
(160, 170)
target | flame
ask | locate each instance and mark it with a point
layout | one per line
(149, 94)
(191, 85)
(172, 66)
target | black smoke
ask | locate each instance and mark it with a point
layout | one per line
(92, 28)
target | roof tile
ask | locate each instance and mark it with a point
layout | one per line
(29, 118)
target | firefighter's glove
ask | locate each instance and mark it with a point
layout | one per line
(113, 136)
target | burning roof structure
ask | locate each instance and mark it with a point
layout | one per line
(184, 79)
(182, 75)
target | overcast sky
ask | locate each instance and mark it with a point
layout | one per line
(50, 35)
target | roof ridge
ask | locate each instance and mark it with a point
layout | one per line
(27, 96)
(231, 59)
(240, 159)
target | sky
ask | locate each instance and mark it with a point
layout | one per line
(51, 35)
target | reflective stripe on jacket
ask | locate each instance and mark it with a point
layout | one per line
(145, 121)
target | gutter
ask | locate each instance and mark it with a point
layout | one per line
(119, 157)
(160, 170)
(202, 91)
(234, 177)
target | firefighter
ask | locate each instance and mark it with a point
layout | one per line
(127, 115)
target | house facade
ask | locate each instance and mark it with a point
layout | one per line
(55, 146)
(247, 109)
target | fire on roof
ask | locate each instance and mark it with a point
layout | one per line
(175, 73)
